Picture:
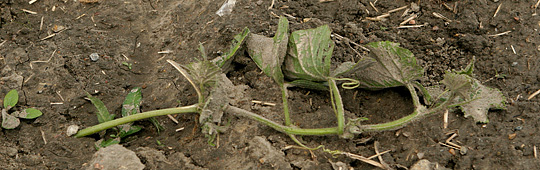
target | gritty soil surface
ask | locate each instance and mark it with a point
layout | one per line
(46, 57)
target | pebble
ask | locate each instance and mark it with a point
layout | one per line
(515, 63)
(518, 128)
(512, 136)
(94, 56)
(72, 130)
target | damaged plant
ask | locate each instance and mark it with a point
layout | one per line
(10, 120)
(304, 58)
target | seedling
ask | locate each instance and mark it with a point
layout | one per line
(128, 65)
(304, 57)
(131, 106)
(11, 120)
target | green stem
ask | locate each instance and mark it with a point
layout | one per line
(338, 105)
(135, 117)
(284, 97)
(419, 112)
(279, 127)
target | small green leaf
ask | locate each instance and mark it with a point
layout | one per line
(9, 121)
(310, 53)
(395, 66)
(30, 113)
(132, 129)
(132, 102)
(104, 143)
(224, 60)
(102, 112)
(11, 99)
(269, 53)
(474, 99)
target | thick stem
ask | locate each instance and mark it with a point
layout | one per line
(279, 127)
(419, 112)
(135, 117)
(338, 105)
(285, 97)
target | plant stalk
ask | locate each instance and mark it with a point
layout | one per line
(338, 105)
(279, 127)
(285, 97)
(135, 117)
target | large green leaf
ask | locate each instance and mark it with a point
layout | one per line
(103, 114)
(11, 99)
(474, 99)
(269, 53)
(132, 103)
(225, 59)
(309, 54)
(395, 66)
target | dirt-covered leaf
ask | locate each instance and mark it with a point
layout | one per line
(309, 55)
(11, 99)
(30, 113)
(132, 102)
(224, 60)
(395, 66)
(269, 53)
(103, 114)
(9, 121)
(474, 99)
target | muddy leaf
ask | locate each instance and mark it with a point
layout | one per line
(103, 114)
(224, 60)
(9, 121)
(474, 99)
(11, 99)
(132, 102)
(269, 53)
(30, 113)
(309, 55)
(395, 66)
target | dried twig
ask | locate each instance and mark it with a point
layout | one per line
(173, 119)
(397, 9)
(497, 10)
(499, 34)
(43, 136)
(349, 40)
(263, 103)
(52, 55)
(410, 26)
(363, 159)
(271, 5)
(413, 16)
(534, 94)
(534, 148)
(58, 93)
(376, 145)
(28, 11)
(445, 118)
(373, 6)
(41, 24)
(441, 17)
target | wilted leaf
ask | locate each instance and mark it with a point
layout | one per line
(11, 99)
(269, 53)
(474, 99)
(30, 113)
(309, 55)
(102, 112)
(395, 66)
(9, 121)
(132, 102)
(225, 59)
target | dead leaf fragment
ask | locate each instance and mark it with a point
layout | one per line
(512, 136)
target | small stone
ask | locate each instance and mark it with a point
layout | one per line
(463, 150)
(415, 7)
(452, 151)
(515, 63)
(512, 136)
(518, 128)
(94, 56)
(436, 28)
(412, 22)
(72, 130)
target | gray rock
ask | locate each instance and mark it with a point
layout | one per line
(425, 164)
(115, 157)
(262, 150)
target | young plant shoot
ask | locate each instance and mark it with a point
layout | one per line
(10, 119)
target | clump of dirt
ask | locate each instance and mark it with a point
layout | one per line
(45, 52)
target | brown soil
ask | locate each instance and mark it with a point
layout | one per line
(135, 31)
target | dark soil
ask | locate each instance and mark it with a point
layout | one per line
(134, 31)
